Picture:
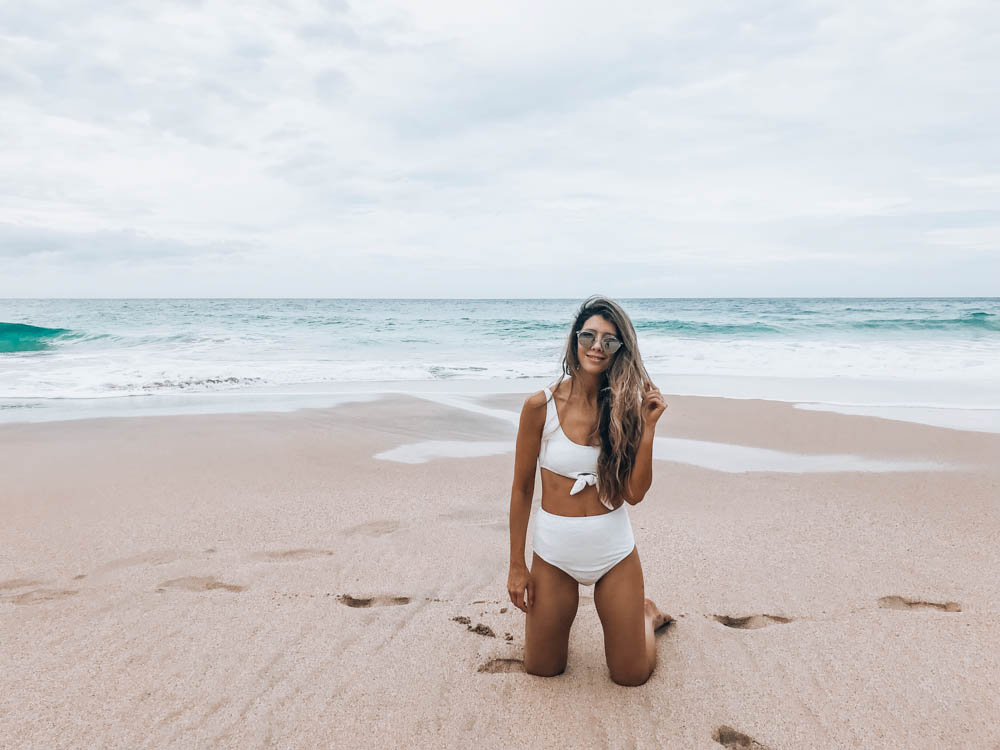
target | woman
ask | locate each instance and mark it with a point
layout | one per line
(592, 436)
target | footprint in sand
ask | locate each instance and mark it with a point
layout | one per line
(501, 666)
(37, 596)
(161, 557)
(478, 629)
(733, 740)
(19, 583)
(372, 601)
(750, 622)
(898, 602)
(372, 528)
(476, 518)
(198, 583)
(291, 554)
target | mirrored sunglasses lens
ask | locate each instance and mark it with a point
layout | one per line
(611, 345)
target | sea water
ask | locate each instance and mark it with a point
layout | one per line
(935, 360)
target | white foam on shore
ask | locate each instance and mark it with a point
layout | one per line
(956, 404)
(738, 459)
(944, 405)
(59, 410)
(716, 456)
(975, 420)
(420, 453)
(734, 459)
(463, 403)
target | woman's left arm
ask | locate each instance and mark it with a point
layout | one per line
(642, 472)
(651, 408)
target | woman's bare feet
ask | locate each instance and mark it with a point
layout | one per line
(658, 618)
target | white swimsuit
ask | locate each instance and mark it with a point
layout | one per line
(585, 547)
(561, 455)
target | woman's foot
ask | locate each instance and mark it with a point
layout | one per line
(658, 618)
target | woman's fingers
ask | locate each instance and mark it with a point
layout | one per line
(531, 595)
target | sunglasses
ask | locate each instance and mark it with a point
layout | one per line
(609, 343)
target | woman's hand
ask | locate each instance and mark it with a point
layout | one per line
(521, 588)
(652, 406)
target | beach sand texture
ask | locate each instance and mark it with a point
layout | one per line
(263, 580)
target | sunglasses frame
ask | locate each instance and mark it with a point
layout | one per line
(611, 336)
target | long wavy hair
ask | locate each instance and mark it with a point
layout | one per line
(619, 396)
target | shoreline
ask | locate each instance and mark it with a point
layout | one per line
(955, 405)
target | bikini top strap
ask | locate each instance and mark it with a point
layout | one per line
(550, 404)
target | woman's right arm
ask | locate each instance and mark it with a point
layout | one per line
(529, 440)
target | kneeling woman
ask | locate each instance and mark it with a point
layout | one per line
(592, 436)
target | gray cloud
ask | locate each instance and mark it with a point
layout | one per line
(331, 83)
(702, 146)
(95, 248)
(329, 32)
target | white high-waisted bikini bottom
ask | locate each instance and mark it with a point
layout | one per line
(585, 547)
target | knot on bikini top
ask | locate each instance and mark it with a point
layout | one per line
(582, 480)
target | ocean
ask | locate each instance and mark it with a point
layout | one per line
(69, 358)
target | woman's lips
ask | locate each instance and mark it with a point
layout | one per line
(595, 359)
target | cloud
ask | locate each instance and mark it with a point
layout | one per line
(490, 148)
(18, 242)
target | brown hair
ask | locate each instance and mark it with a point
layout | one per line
(619, 397)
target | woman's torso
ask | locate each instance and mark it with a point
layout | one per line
(569, 422)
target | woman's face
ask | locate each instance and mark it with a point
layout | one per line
(594, 359)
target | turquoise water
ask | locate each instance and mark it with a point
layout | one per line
(89, 349)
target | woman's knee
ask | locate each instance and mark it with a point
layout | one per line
(630, 677)
(541, 669)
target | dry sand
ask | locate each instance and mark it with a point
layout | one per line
(262, 580)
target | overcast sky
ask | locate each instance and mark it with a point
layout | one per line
(507, 149)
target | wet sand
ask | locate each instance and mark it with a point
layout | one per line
(254, 579)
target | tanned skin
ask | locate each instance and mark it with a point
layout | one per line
(549, 596)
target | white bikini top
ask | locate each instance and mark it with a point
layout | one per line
(561, 455)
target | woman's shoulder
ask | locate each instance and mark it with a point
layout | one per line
(536, 400)
(534, 413)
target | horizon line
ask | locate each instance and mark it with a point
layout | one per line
(495, 299)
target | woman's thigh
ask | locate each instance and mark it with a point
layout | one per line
(621, 604)
(546, 629)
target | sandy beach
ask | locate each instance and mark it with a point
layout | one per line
(258, 580)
